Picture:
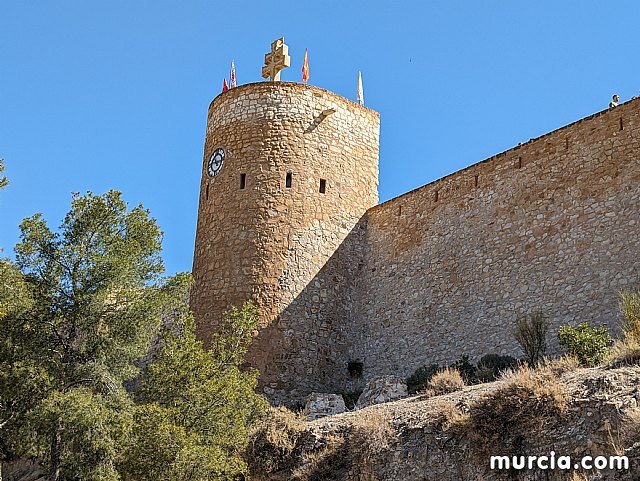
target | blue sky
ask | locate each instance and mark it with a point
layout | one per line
(100, 95)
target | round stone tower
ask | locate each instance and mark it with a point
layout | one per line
(289, 171)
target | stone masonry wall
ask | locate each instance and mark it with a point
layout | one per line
(551, 225)
(277, 245)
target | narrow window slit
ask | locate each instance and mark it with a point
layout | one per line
(437, 195)
(475, 182)
(621, 124)
(243, 181)
(206, 193)
(400, 210)
(288, 181)
(519, 163)
(323, 186)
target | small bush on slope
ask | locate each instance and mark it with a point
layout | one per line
(446, 381)
(588, 344)
(531, 333)
(627, 350)
(527, 402)
(419, 379)
(272, 442)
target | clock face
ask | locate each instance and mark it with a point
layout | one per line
(215, 162)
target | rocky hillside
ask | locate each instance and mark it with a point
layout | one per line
(573, 412)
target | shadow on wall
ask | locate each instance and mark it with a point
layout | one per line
(307, 347)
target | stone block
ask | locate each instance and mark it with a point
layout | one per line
(382, 390)
(320, 405)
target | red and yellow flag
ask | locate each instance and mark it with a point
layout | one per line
(305, 67)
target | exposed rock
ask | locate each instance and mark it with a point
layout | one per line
(319, 405)
(432, 438)
(382, 390)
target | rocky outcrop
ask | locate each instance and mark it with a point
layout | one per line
(425, 438)
(382, 390)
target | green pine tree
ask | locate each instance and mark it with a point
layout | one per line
(79, 311)
(196, 405)
(90, 297)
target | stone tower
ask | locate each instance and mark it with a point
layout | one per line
(289, 171)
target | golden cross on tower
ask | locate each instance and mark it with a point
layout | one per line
(276, 60)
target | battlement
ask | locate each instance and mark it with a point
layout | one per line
(290, 87)
(519, 155)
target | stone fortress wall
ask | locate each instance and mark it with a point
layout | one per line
(441, 271)
(551, 225)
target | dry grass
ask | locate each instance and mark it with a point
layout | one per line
(446, 381)
(325, 464)
(529, 400)
(624, 352)
(367, 439)
(274, 440)
(562, 365)
(372, 434)
(630, 307)
(452, 419)
(627, 350)
(575, 476)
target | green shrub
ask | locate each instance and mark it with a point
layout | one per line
(491, 366)
(419, 379)
(531, 333)
(351, 398)
(466, 369)
(588, 344)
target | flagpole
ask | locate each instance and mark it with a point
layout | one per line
(305, 67)
(232, 76)
(360, 93)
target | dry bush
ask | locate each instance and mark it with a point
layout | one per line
(630, 307)
(531, 333)
(451, 418)
(528, 401)
(372, 434)
(366, 440)
(446, 381)
(562, 365)
(627, 350)
(328, 463)
(273, 441)
(419, 379)
(624, 352)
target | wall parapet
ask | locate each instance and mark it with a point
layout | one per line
(518, 156)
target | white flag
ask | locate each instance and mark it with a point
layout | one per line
(360, 89)
(233, 74)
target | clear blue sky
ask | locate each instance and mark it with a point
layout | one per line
(114, 94)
